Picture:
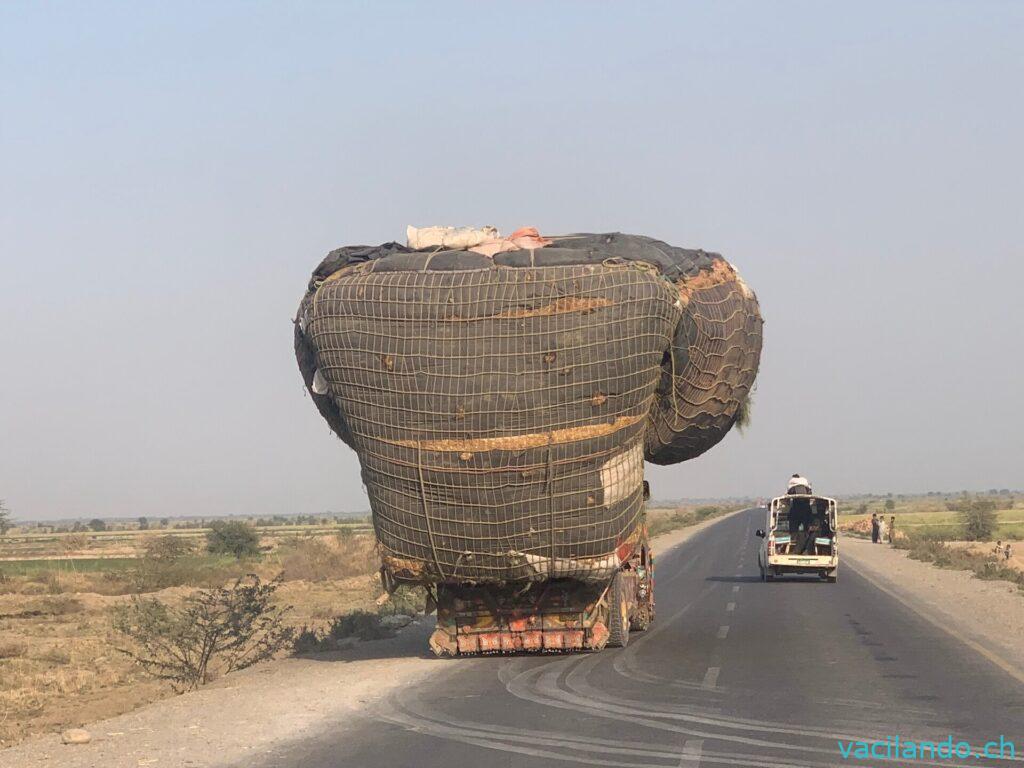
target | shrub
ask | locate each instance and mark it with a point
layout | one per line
(362, 624)
(232, 537)
(317, 559)
(666, 523)
(169, 548)
(215, 631)
(979, 520)
(308, 640)
(151, 575)
(12, 650)
(703, 513)
(406, 600)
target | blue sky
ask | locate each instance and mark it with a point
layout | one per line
(171, 172)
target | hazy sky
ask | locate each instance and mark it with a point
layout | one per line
(172, 172)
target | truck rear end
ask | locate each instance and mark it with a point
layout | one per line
(555, 615)
(502, 399)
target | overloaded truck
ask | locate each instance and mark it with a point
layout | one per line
(502, 395)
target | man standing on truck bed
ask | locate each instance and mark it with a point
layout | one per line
(799, 512)
(799, 484)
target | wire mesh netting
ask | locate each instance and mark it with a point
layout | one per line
(501, 413)
(715, 355)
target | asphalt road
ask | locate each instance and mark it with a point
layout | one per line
(733, 672)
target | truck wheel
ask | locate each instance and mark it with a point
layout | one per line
(832, 577)
(618, 613)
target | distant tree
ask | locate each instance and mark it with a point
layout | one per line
(890, 505)
(862, 509)
(979, 520)
(6, 523)
(97, 525)
(232, 537)
(143, 523)
(169, 548)
(165, 522)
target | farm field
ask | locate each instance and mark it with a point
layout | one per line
(941, 524)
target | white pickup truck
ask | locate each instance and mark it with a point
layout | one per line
(799, 537)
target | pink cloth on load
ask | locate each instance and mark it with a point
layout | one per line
(524, 238)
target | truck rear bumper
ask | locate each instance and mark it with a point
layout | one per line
(556, 616)
(798, 563)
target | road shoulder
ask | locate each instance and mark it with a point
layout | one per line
(987, 616)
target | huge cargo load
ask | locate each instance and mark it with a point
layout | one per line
(503, 394)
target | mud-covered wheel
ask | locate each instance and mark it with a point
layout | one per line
(618, 613)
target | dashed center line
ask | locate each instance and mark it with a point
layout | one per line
(692, 749)
(710, 678)
(736, 588)
(730, 606)
(723, 631)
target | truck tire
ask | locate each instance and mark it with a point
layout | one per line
(618, 613)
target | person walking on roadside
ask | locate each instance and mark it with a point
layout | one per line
(881, 528)
(1008, 552)
(892, 528)
(874, 528)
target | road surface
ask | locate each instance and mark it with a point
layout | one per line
(733, 672)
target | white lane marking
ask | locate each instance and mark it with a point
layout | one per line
(723, 631)
(730, 606)
(710, 678)
(736, 588)
(692, 749)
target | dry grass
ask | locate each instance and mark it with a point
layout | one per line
(321, 559)
(961, 556)
(58, 666)
(12, 650)
(661, 521)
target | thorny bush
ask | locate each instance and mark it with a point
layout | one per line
(215, 631)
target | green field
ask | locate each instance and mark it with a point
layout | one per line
(946, 524)
(65, 565)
